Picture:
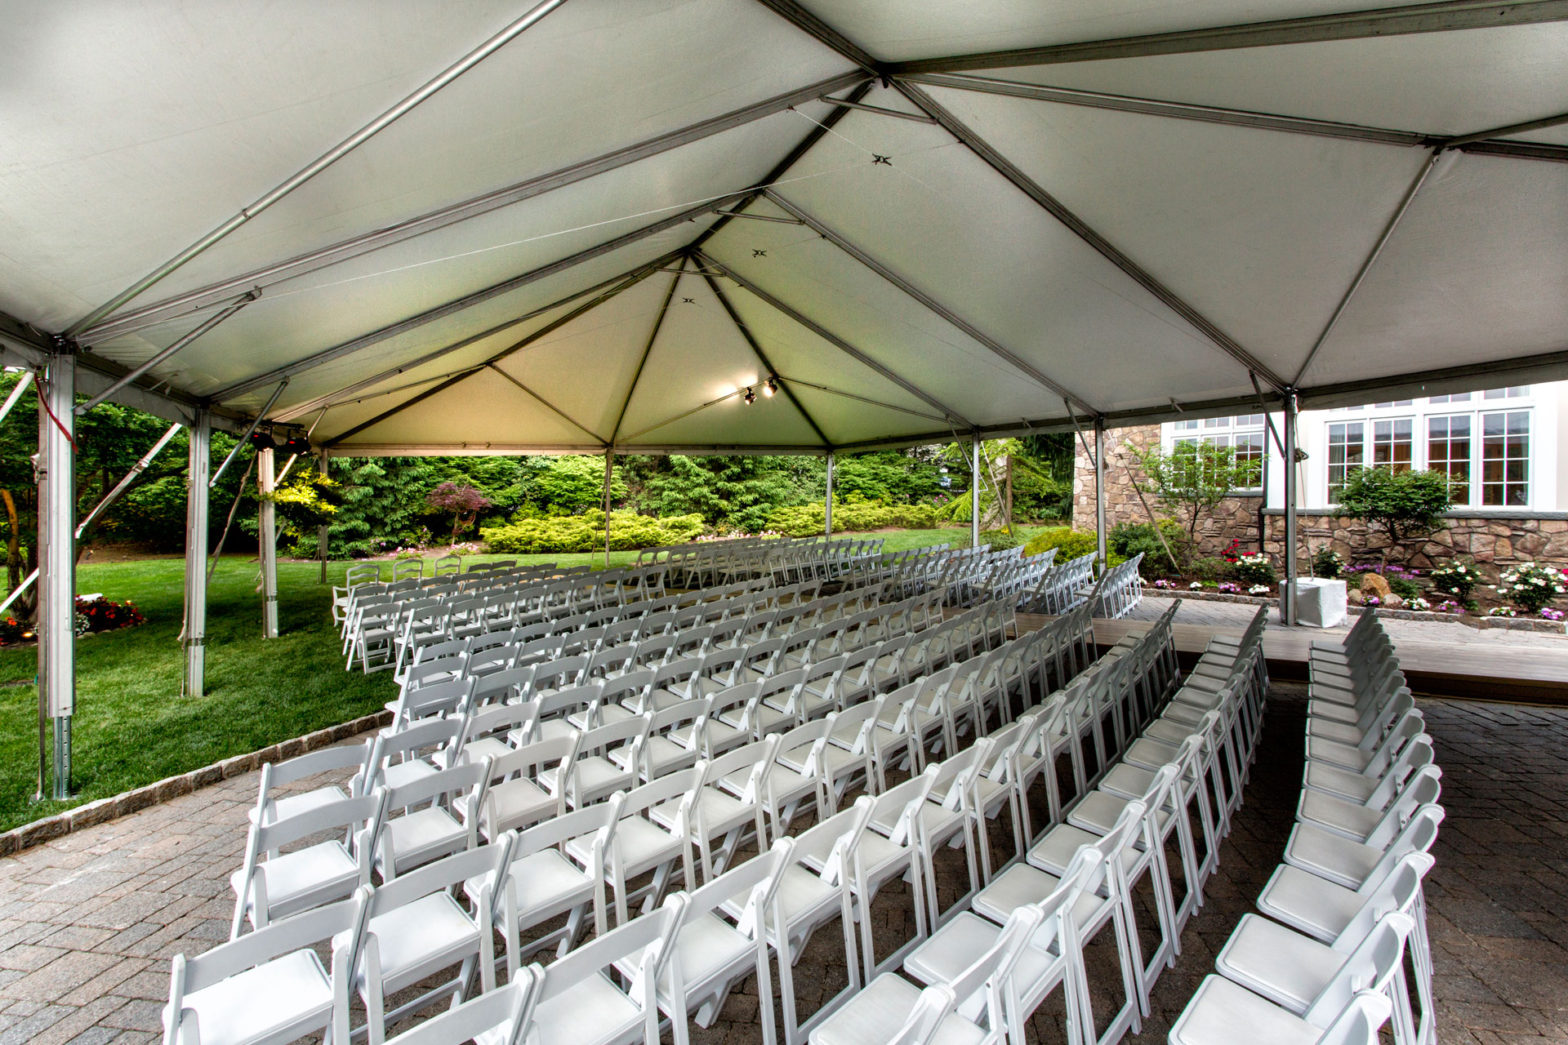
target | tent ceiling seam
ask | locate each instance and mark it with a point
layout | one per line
(588, 306)
(858, 398)
(379, 123)
(653, 335)
(929, 302)
(762, 358)
(1008, 170)
(836, 341)
(557, 411)
(476, 206)
(469, 300)
(1448, 16)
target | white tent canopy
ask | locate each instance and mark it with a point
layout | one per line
(469, 228)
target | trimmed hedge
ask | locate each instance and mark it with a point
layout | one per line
(806, 520)
(1069, 544)
(585, 532)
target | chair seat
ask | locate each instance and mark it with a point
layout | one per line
(1283, 966)
(1020, 884)
(642, 845)
(399, 774)
(716, 813)
(662, 754)
(542, 884)
(421, 938)
(880, 1009)
(705, 947)
(420, 836)
(1308, 903)
(282, 1000)
(293, 805)
(1146, 753)
(1330, 856)
(801, 895)
(1341, 783)
(1056, 850)
(1222, 1013)
(593, 1010)
(1355, 822)
(1127, 781)
(476, 751)
(516, 803)
(302, 879)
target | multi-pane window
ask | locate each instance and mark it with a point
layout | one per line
(1249, 447)
(1391, 444)
(1457, 397)
(1448, 451)
(1244, 433)
(1505, 458)
(1516, 392)
(1346, 450)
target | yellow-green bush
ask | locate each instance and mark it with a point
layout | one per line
(1069, 544)
(806, 520)
(585, 532)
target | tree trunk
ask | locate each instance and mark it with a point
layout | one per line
(13, 543)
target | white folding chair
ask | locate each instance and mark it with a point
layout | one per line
(496, 1018)
(277, 880)
(267, 986)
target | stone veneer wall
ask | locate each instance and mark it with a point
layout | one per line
(1493, 543)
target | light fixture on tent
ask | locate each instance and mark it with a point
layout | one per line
(771, 386)
(296, 444)
(749, 397)
(261, 439)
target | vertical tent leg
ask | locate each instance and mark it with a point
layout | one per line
(266, 483)
(1287, 606)
(974, 492)
(609, 464)
(1099, 490)
(197, 498)
(324, 531)
(57, 558)
(827, 501)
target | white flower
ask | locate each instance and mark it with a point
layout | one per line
(1258, 589)
(1195, 585)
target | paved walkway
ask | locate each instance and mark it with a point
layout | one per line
(1237, 614)
(89, 922)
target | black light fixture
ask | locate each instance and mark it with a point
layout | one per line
(771, 387)
(297, 444)
(261, 439)
(749, 397)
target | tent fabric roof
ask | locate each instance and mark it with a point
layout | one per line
(469, 227)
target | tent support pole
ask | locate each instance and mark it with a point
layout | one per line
(57, 561)
(974, 491)
(1099, 490)
(266, 484)
(609, 465)
(20, 387)
(827, 501)
(197, 495)
(324, 531)
(1287, 608)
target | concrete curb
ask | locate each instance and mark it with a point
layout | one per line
(105, 809)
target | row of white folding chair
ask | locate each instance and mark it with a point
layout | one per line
(1009, 579)
(505, 580)
(1123, 589)
(1062, 586)
(966, 936)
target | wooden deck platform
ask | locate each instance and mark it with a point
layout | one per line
(1476, 670)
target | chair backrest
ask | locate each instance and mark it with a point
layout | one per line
(313, 763)
(901, 804)
(428, 737)
(1369, 967)
(1399, 891)
(991, 970)
(1360, 1021)
(497, 1016)
(502, 687)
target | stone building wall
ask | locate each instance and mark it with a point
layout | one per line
(1493, 543)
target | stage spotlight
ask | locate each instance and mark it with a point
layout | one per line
(750, 396)
(771, 387)
(261, 439)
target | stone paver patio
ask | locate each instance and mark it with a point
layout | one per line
(89, 922)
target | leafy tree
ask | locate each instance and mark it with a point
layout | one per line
(1404, 505)
(462, 502)
(570, 485)
(1193, 477)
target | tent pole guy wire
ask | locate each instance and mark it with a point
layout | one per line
(322, 162)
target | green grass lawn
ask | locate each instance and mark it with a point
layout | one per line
(132, 727)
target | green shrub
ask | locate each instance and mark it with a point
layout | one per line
(1129, 539)
(1001, 540)
(1069, 544)
(1458, 579)
(1211, 568)
(1254, 569)
(585, 532)
(1403, 587)
(806, 520)
(1327, 563)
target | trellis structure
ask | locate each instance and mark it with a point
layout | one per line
(593, 225)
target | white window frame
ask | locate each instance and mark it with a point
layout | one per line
(1222, 430)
